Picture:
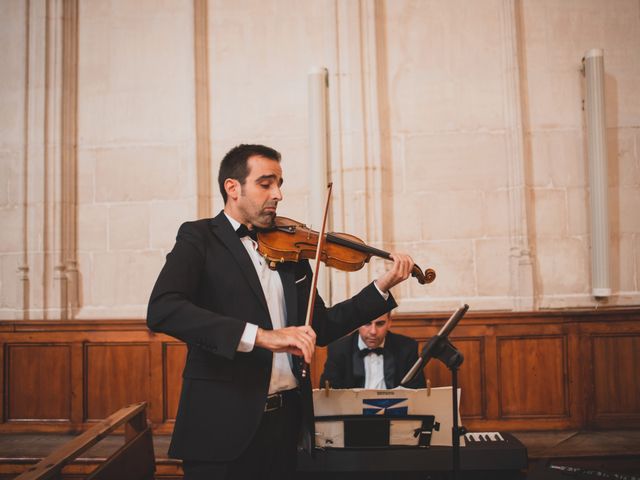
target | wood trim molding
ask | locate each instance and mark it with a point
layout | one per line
(522, 370)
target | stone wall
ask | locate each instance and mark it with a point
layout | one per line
(457, 134)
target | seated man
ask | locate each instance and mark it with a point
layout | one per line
(371, 357)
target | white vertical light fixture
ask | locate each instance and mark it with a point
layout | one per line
(318, 85)
(593, 63)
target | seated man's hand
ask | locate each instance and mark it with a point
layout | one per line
(299, 341)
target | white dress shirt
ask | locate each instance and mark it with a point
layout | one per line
(282, 377)
(373, 368)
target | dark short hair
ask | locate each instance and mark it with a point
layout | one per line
(234, 163)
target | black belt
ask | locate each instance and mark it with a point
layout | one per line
(275, 401)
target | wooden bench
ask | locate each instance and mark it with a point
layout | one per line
(135, 460)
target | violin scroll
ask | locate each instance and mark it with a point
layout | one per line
(428, 276)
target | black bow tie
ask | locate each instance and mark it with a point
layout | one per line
(243, 231)
(366, 351)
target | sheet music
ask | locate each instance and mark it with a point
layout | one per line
(396, 402)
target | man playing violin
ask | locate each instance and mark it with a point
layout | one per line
(243, 404)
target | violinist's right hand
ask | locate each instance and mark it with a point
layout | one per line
(299, 341)
(399, 272)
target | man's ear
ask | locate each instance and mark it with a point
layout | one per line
(232, 187)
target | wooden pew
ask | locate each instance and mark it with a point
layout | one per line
(135, 460)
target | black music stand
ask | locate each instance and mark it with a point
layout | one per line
(441, 348)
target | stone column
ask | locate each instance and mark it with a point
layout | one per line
(521, 268)
(33, 271)
(360, 142)
(69, 162)
(203, 143)
(23, 300)
(50, 161)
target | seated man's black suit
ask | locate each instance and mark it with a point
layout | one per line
(344, 367)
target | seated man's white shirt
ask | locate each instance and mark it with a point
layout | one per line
(373, 368)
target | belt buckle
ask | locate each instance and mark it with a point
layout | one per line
(274, 402)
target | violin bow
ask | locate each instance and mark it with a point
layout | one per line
(314, 280)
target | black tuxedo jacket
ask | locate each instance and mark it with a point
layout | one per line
(206, 292)
(344, 367)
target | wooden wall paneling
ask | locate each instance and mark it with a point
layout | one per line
(490, 374)
(38, 382)
(3, 377)
(156, 400)
(584, 368)
(117, 374)
(115, 362)
(616, 382)
(575, 376)
(532, 376)
(470, 378)
(175, 355)
(596, 338)
(77, 382)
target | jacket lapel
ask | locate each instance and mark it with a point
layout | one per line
(287, 276)
(357, 363)
(389, 367)
(223, 230)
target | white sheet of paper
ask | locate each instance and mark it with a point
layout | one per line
(416, 402)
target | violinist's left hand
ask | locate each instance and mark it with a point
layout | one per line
(400, 271)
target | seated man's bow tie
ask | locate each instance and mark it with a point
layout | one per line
(243, 231)
(366, 351)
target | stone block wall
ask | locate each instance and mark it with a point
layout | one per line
(457, 134)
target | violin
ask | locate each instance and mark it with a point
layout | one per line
(290, 241)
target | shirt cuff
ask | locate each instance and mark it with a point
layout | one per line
(248, 339)
(384, 295)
